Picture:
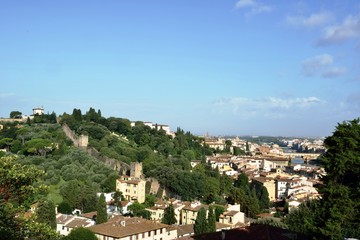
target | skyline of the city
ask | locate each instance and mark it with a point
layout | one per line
(235, 67)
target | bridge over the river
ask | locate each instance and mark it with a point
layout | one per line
(305, 156)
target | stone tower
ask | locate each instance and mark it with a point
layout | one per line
(136, 170)
(83, 141)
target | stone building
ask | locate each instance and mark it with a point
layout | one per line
(132, 187)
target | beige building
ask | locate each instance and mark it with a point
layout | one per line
(157, 211)
(190, 210)
(270, 185)
(125, 228)
(216, 143)
(132, 187)
(232, 216)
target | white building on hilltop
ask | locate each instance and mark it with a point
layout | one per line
(38, 110)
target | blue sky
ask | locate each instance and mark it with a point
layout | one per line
(239, 67)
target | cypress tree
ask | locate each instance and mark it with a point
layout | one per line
(169, 215)
(200, 225)
(211, 220)
(45, 213)
(242, 182)
(252, 204)
(101, 215)
(218, 211)
(264, 201)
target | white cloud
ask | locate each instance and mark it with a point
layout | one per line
(245, 3)
(6, 95)
(314, 20)
(254, 7)
(334, 72)
(314, 65)
(271, 107)
(348, 29)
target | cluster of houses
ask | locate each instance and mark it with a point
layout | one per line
(123, 227)
(302, 145)
(294, 184)
(283, 181)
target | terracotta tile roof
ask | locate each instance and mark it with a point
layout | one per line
(131, 181)
(254, 232)
(89, 215)
(157, 207)
(262, 179)
(63, 218)
(185, 229)
(222, 226)
(188, 229)
(73, 221)
(119, 227)
(231, 213)
(77, 222)
(195, 208)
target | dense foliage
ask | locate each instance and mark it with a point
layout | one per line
(17, 189)
(337, 214)
(80, 233)
(164, 157)
(45, 213)
(169, 215)
(201, 225)
(101, 215)
(340, 203)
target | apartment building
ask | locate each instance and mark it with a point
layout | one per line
(132, 187)
(126, 228)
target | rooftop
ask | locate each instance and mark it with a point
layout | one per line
(119, 226)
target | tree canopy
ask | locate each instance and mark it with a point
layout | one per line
(101, 215)
(80, 233)
(340, 203)
(201, 225)
(336, 215)
(17, 189)
(169, 215)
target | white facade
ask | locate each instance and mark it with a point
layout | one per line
(65, 223)
(38, 110)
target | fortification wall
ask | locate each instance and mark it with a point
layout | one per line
(121, 167)
(13, 120)
(83, 141)
(79, 141)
